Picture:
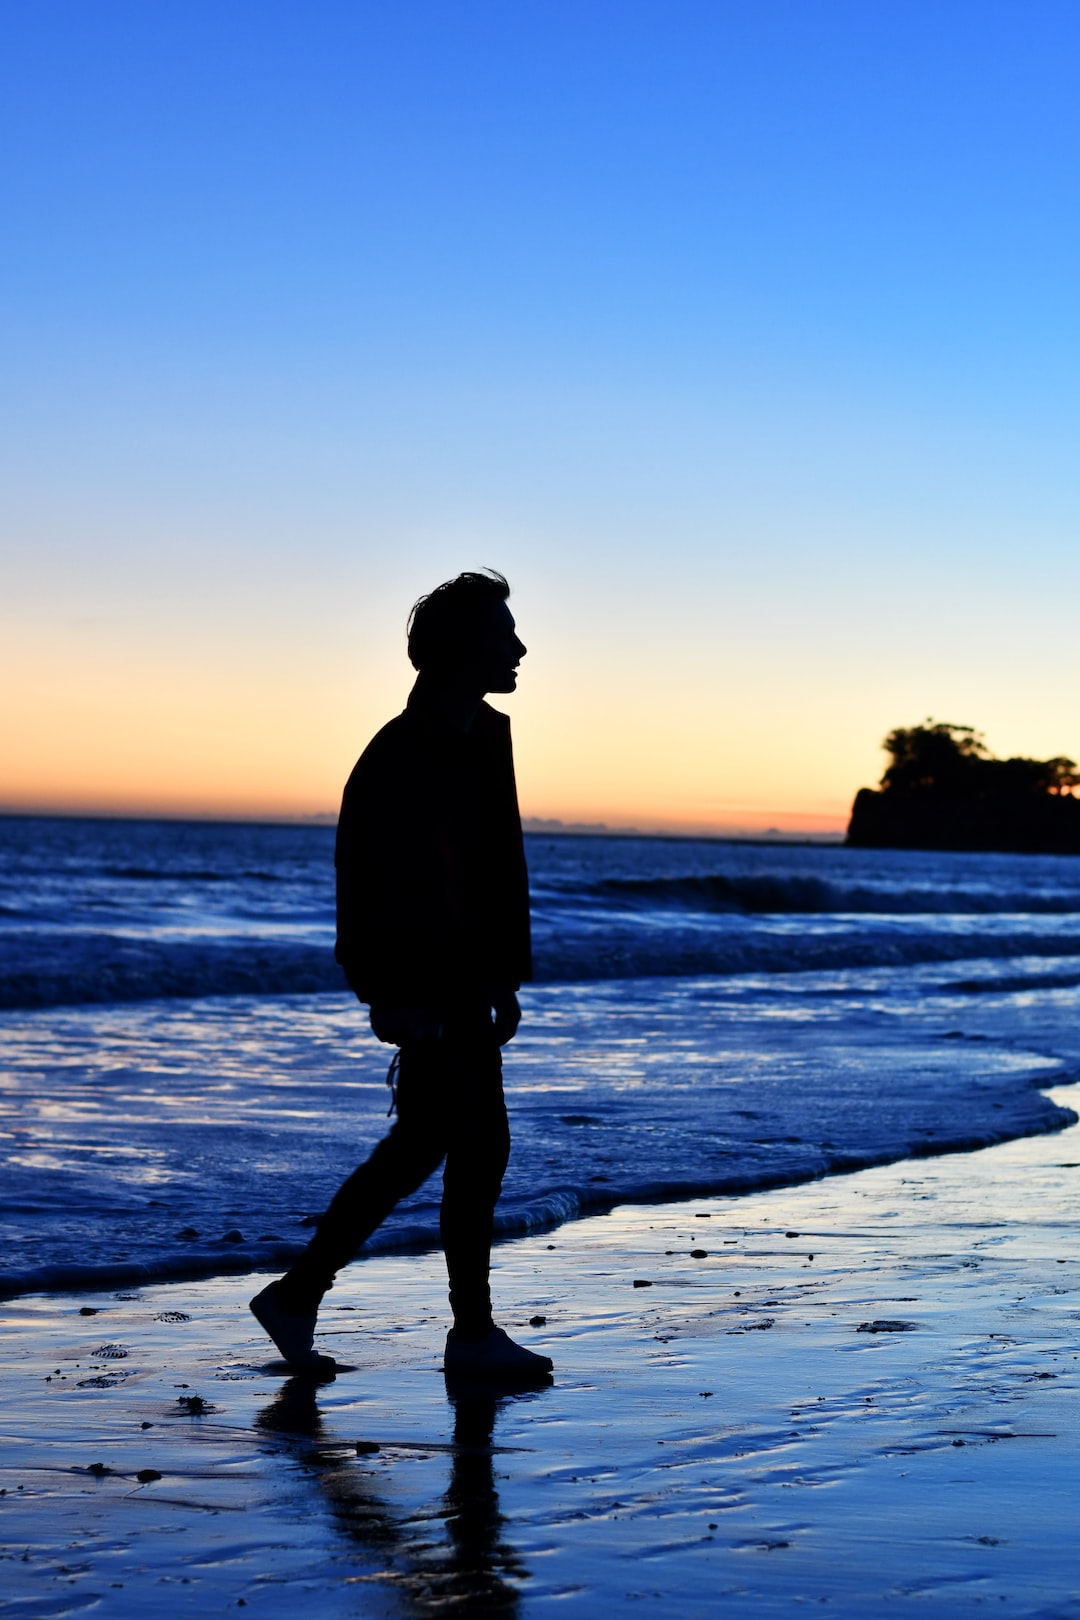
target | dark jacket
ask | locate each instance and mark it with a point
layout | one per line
(432, 890)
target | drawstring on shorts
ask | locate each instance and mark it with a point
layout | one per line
(391, 1080)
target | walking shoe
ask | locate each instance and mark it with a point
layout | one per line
(495, 1357)
(293, 1335)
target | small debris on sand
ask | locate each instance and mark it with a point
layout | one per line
(194, 1405)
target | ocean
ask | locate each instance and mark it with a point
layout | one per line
(185, 1078)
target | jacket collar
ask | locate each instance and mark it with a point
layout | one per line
(424, 708)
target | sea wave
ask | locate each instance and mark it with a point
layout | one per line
(170, 874)
(690, 954)
(41, 970)
(38, 970)
(806, 894)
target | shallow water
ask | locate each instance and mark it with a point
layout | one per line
(184, 1079)
(186, 1138)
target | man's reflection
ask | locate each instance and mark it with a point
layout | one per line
(474, 1569)
(479, 1560)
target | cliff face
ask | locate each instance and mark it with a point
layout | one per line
(945, 790)
(1050, 826)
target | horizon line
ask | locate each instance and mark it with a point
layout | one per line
(536, 826)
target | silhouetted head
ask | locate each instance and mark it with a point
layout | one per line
(463, 633)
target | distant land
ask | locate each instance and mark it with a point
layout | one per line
(538, 826)
(552, 824)
(554, 828)
(944, 789)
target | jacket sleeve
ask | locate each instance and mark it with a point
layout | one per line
(372, 858)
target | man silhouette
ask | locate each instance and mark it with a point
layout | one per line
(433, 934)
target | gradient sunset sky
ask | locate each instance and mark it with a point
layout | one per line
(743, 337)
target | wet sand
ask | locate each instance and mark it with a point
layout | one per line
(859, 1395)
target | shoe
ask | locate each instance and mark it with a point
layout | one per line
(495, 1357)
(293, 1335)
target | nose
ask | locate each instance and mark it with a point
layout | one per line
(520, 648)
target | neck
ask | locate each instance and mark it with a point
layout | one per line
(458, 702)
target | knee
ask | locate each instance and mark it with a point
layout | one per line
(403, 1159)
(474, 1172)
(500, 1151)
(490, 1145)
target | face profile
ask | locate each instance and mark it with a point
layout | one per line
(499, 651)
(462, 638)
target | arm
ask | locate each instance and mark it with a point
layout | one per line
(507, 1011)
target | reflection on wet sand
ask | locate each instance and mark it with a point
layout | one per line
(473, 1569)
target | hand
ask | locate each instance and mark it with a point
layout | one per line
(507, 1011)
(400, 1026)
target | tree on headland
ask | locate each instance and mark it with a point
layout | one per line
(944, 789)
(926, 757)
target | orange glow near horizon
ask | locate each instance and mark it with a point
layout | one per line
(633, 711)
(144, 735)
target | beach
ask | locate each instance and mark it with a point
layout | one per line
(791, 1204)
(860, 1394)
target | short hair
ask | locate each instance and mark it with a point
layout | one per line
(445, 624)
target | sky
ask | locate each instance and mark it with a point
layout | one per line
(742, 337)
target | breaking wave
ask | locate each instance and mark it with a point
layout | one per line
(39, 971)
(799, 894)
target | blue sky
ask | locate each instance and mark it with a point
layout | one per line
(742, 337)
